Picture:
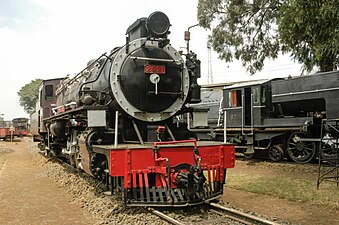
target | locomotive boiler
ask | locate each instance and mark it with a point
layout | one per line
(115, 120)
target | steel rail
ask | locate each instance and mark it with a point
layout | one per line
(165, 217)
(244, 215)
(231, 217)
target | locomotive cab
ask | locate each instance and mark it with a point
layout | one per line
(282, 117)
(246, 104)
(43, 109)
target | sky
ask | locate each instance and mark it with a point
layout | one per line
(53, 38)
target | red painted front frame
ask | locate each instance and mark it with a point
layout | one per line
(130, 162)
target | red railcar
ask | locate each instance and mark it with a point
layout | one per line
(21, 126)
(4, 132)
(7, 130)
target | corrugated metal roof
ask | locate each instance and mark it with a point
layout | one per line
(248, 83)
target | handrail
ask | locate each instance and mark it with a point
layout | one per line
(80, 74)
(176, 142)
(252, 122)
(153, 59)
(220, 111)
(242, 113)
(225, 126)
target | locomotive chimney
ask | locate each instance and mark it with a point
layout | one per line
(156, 25)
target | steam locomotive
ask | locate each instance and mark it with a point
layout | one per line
(116, 120)
(293, 117)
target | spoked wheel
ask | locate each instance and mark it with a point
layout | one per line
(300, 151)
(329, 149)
(276, 153)
(99, 166)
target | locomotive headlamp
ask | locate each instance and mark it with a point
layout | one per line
(158, 24)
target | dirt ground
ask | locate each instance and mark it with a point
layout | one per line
(272, 207)
(27, 196)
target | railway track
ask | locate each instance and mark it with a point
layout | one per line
(221, 214)
(226, 215)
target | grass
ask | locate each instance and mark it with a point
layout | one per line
(298, 190)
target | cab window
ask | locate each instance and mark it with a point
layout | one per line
(234, 98)
(263, 95)
(49, 92)
(256, 95)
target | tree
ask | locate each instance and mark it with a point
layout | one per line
(255, 30)
(243, 30)
(29, 95)
(310, 30)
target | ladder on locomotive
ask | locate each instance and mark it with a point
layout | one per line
(328, 165)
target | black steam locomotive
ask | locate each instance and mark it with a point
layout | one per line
(294, 117)
(116, 121)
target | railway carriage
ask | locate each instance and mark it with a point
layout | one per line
(22, 125)
(8, 131)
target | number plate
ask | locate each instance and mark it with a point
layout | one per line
(159, 69)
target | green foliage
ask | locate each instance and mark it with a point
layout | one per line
(29, 95)
(310, 30)
(242, 29)
(255, 30)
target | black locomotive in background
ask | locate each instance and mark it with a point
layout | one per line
(115, 121)
(293, 117)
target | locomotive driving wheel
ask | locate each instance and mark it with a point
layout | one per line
(300, 151)
(276, 153)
